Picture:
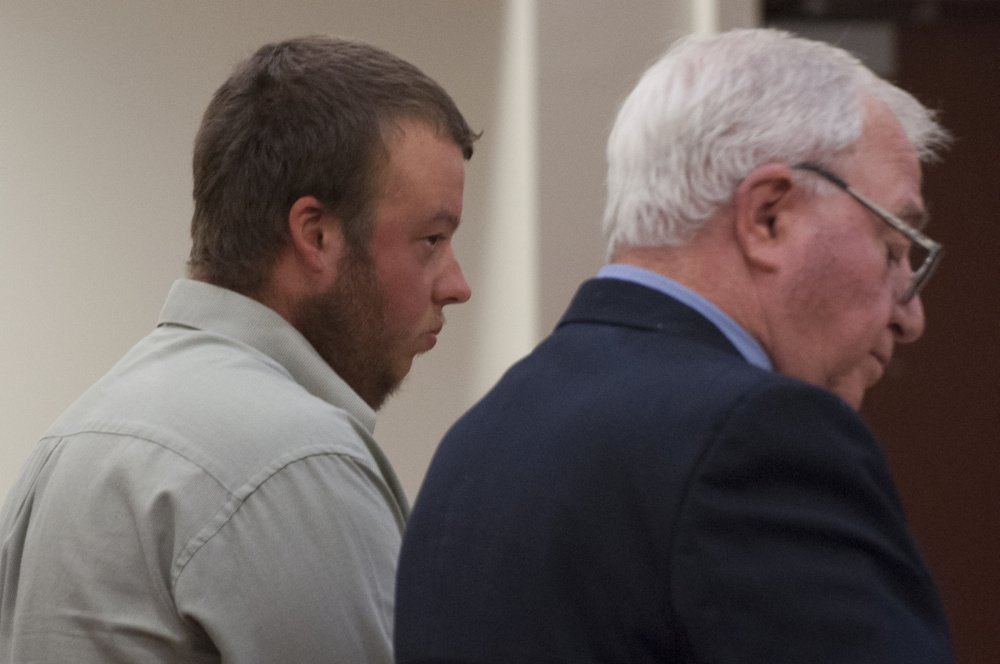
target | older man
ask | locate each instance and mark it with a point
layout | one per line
(678, 473)
(218, 496)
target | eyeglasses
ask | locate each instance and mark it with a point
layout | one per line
(925, 253)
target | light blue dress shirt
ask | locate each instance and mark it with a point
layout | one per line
(745, 344)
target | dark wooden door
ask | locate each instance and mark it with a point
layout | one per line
(938, 412)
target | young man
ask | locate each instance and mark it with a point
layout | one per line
(218, 496)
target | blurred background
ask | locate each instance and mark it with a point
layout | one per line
(100, 101)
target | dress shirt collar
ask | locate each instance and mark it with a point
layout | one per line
(740, 338)
(203, 306)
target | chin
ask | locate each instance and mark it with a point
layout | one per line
(403, 368)
(853, 395)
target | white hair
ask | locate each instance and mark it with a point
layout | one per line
(715, 107)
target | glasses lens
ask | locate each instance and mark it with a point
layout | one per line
(923, 271)
(918, 257)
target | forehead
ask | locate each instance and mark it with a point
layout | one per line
(422, 179)
(417, 145)
(885, 166)
(883, 143)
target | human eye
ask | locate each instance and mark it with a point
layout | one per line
(899, 252)
(904, 255)
(894, 255)
(437, 232)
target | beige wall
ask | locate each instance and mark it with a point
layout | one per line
(99, 103)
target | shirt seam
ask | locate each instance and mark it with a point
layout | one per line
(237, 499)
(62, 438)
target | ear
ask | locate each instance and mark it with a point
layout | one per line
(316, 240)
(762, 206)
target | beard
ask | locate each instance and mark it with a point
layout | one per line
(347, 327)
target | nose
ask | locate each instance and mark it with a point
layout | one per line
(451, 287)
(907, 320)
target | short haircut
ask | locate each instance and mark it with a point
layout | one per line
(312, 116)
(713, 108)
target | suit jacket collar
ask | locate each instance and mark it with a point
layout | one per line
(627, 304)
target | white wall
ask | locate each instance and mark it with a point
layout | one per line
(99, 103)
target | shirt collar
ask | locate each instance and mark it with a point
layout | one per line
(203, 306)
(748, 347)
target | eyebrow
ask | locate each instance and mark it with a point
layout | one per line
(447, 217)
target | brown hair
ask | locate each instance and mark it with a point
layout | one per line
(304, 117)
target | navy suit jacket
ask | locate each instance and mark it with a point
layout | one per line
(635, 491)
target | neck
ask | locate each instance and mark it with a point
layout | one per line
(712, 268)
